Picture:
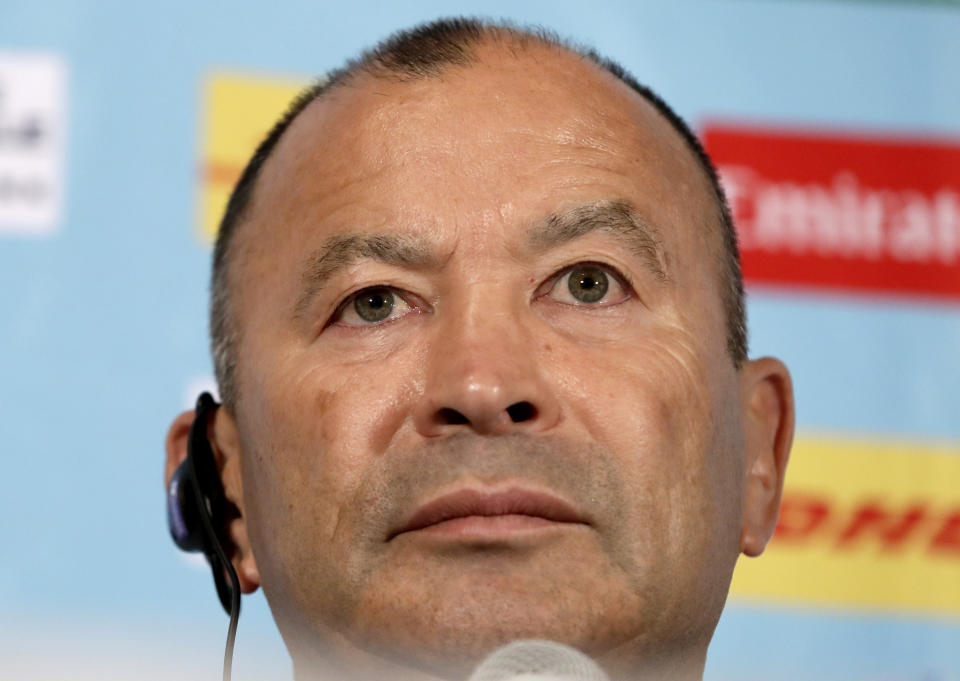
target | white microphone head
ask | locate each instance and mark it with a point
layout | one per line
(533, 660)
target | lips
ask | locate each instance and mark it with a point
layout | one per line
(470, 503)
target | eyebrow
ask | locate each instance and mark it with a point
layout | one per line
(614, 217)
(343, 250)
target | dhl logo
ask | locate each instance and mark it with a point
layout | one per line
(869, 524)
(806, 519)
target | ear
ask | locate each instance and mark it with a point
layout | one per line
(222, 434)
(766, 398)
(176, 444)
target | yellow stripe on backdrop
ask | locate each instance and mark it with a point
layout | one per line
(864, 524)
(238, 111)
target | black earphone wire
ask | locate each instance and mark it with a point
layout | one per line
(218, 557)
(234, 619)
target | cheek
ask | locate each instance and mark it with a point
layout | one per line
(639, 398)
(312, 434)
(317, 425)
(655, 406)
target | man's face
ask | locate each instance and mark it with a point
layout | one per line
(484, 387)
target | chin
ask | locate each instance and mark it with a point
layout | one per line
(451, 628)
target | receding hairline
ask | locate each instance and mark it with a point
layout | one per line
(402, 58)
(501, 42)
(502, 39)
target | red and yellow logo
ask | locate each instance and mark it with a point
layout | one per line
(238, 112)
(864, 524)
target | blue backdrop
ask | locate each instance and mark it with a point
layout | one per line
(103, 319)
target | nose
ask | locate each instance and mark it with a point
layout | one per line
(482, 376)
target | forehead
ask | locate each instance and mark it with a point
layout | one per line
(504, 138)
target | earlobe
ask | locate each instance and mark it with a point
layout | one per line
(768, 420)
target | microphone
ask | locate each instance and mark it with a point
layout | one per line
(532, 660)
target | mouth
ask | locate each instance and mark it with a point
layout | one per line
(476, 514)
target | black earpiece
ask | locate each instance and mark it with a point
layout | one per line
(196, 512)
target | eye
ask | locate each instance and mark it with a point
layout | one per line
(589, 284)
(371, 306)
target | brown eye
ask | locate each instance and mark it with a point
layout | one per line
(374, 305)
(588, 283)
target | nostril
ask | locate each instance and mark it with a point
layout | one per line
(521, 411)
(451, 417)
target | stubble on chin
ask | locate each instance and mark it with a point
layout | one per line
(443, 607)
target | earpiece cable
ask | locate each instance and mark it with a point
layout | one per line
(232, 629)
(226, 566)
(218, 557)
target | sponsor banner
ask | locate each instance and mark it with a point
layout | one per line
(846, 212)
(33, 101)
(866, 524)
(238, 113)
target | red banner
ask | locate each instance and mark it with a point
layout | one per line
(845, 212)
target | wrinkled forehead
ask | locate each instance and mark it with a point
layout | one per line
(508, 114)
(504, 108)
